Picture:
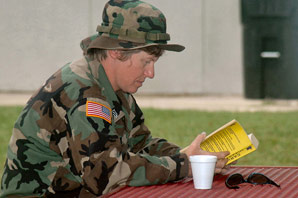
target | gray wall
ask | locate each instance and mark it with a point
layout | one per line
(38, 37)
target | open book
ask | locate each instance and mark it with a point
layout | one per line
(231, 137)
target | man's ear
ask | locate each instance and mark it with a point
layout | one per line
(115, 54)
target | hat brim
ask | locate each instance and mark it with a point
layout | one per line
(104, 42)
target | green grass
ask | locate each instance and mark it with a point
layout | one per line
(8, 116)
(276, 132)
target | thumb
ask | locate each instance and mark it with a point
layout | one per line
(199, 139)
(195, 145)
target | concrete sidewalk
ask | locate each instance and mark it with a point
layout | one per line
(204, 103)
(217, 103)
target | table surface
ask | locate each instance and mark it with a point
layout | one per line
(287, 177)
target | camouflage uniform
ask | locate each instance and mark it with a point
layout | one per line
(76, 136)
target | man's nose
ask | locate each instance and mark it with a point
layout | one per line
(149, 72)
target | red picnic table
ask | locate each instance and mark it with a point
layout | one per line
(287, 177)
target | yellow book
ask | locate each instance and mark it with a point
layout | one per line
(231, 137)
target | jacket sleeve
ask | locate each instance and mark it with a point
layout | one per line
(106, 160)
(147, 146)
(144, 142)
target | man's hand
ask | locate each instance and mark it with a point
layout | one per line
(195, 149)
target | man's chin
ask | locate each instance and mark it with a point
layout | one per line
(131, 91)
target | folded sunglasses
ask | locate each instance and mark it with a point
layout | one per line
(254, 178)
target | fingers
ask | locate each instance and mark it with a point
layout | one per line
(221, 163)
(221, 167)
(222, 155)
(219, 155)
(224, 169)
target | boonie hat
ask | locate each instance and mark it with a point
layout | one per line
(130, 24)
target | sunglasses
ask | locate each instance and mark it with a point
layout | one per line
(255, 178)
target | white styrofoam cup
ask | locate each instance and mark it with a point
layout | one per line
(203, 170)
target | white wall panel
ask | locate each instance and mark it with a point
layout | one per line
(38, 37)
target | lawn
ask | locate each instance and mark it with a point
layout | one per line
(276, 132)
(8, 116)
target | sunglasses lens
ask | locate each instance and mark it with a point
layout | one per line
(234, 180)
(258, 178)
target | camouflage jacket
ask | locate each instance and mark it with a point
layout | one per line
(77, 135)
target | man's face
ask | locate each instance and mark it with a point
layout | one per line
(131, 73)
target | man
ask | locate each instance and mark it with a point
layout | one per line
(82, 133)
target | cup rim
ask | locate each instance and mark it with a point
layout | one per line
(202, 158)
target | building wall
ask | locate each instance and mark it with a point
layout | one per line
(38, 37)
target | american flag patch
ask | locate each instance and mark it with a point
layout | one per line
(95, 109)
